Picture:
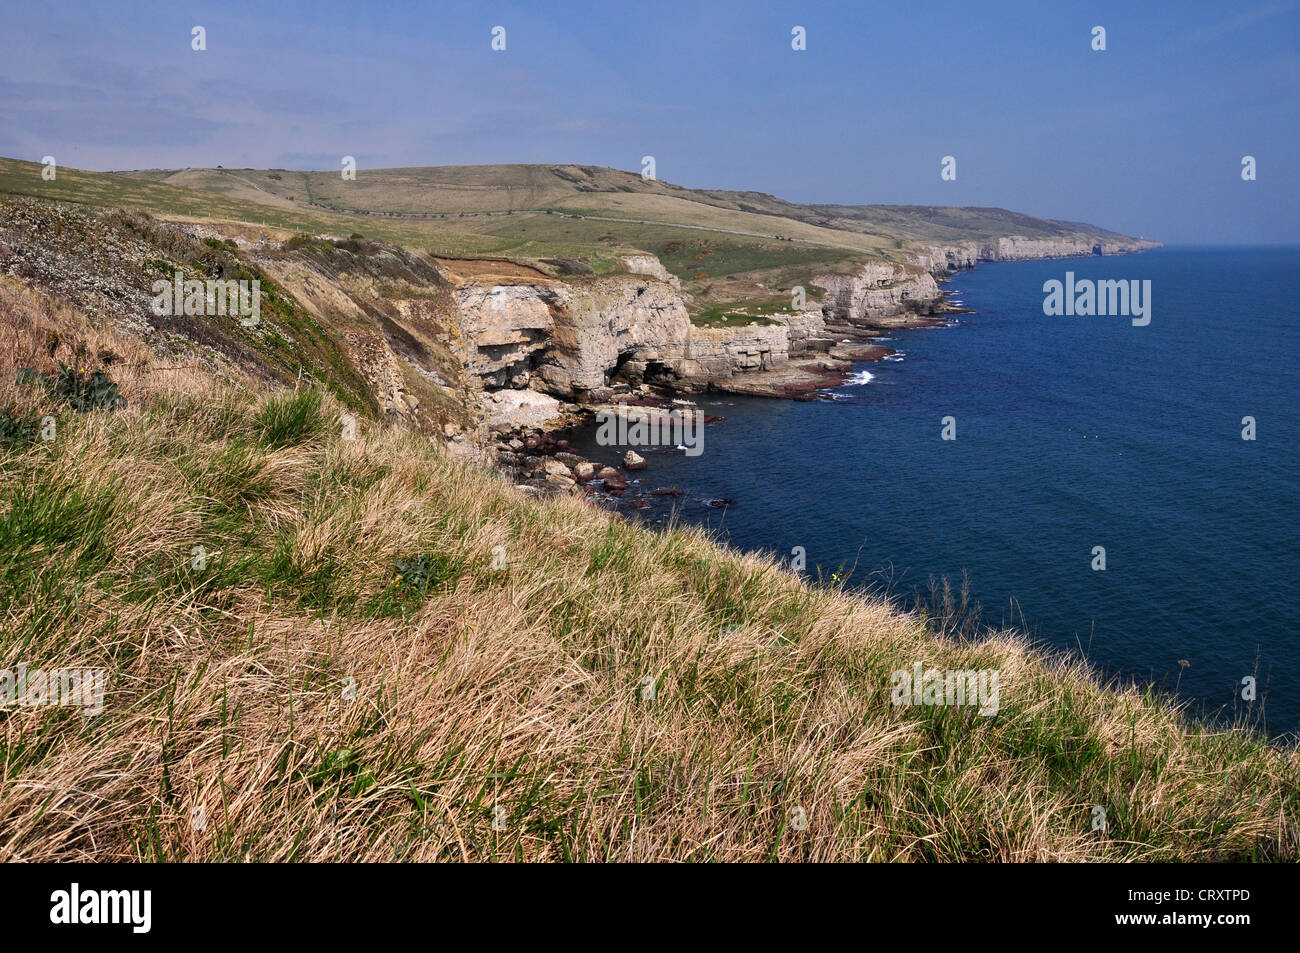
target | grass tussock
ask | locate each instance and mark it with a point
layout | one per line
(319, 648)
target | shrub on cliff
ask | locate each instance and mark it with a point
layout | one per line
(82, 391)
(17, 429)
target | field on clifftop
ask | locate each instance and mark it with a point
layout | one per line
(335, 644)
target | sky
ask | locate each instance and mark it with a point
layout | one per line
(1146, 137)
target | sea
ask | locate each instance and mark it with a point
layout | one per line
(1076, 443)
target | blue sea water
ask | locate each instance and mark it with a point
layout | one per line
(1072, 433)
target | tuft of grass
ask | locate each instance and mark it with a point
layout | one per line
(290, 419)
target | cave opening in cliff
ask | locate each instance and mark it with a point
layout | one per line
(620, 369)
(657, 371)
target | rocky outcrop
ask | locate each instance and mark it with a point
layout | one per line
(509, 409)
(506, 325)
(579, 339)
(944, 259)
(651, 266)
(605, 323)
(879, 290)
(718, 353)
(566, 338)
(806, 331)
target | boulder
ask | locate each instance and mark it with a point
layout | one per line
(613, 479)
(513, 409)
(634, 461)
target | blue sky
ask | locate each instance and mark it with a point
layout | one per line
(1145, 138)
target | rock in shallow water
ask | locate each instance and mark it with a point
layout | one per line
(613, 479)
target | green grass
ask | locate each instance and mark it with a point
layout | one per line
(722, 316)
(290, 419)
(728, 255)
(444, 210)
(741, 313)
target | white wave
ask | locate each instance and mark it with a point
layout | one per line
(858, 378)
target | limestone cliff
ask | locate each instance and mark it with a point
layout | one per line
(715, 354)
(806, 331)
(455, 347)
(615, 321)
(506, 324)
(577, 339)
(879, 290)
(567, 337)
(942, 259)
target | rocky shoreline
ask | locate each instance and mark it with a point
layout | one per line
(652, 356)
(487, 355)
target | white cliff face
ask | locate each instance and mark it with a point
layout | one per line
(806, 331)
(717, 353)
(532, 340)
(1014, 248)
(608, 321)
(566, 338)
(879, 289)
(941, 259)
(506, 325)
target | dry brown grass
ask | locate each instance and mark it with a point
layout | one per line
(520, 689)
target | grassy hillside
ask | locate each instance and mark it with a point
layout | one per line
(477, 188)
(530, 208)
(265, 214)
(723, 246)
(387, 653)
(595, 190)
